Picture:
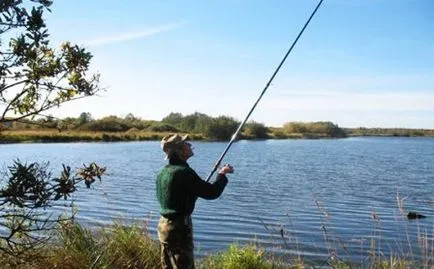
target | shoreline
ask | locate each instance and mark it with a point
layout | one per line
(32, 137)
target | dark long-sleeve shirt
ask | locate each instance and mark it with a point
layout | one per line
(178, 187)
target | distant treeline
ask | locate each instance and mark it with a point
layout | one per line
(403, 132)
(199, 125)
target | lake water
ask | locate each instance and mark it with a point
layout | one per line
(321, 195)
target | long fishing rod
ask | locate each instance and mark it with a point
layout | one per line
(234, 136)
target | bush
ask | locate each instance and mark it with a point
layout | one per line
(118, 246)
(256, 130)
(106, 124)
(163, 127)
(130, 247)
(314, 129)
(222, 128)
(247, 257)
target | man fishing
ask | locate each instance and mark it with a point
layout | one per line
(178, 187)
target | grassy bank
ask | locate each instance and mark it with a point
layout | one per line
(53, 136)
(120, 246)
(199, 125)
(389, 132)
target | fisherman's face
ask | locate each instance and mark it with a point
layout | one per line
(187, 150)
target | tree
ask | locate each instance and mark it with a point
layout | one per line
(222, 128)
(188, 123)
(319, 128)
(202, 122)
(295, 127)
(130, 117)
(85, 117)
(108, 124)
(173, 119)
(255, 130)
(34, 77)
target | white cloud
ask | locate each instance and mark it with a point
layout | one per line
(132, 35)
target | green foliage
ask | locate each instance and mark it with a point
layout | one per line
(107, 124)
(119, 246)
(240, 258)
(197, 125)
(28, 189)
(236, 257)
(85, 122)
(314, 129)
(222, 128)
(173, 119)
(388, 132)
(193, 123)
(77, 247)
(134, 122)
(163, 127)
(85, 117)
(34, 77)
(255, 130)
(202, 122)
(277, 133)
(130, 247)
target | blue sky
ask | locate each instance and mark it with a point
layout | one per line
(359, 63)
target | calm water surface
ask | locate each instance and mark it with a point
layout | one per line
(320, 195)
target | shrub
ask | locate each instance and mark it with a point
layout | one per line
(163, 127)
(256, 130)
(248, 257)
(118, 246)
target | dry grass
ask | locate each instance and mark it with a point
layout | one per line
(131, 246)
(51, 135)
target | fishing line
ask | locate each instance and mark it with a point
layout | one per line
(234, 136)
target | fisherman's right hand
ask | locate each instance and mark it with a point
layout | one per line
(226, 169)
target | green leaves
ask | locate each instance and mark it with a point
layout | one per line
(31, 186)
(28, 185)
(220, 128)
(28, 190)
(255, 130)
(34, 76)
(65, 184)
(35, 22)
(313, 129)
(89, 173)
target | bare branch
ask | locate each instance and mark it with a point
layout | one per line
(2, 119)
(13, 85)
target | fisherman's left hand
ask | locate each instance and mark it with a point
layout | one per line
(226, 169)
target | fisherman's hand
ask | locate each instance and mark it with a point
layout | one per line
(226, 169)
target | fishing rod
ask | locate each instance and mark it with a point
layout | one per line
(234, 136)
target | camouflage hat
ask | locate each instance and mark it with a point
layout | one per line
(172, 141)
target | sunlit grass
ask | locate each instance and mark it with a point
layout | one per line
(131, 246)
(239, 257)
(53, 136)
(20, 136)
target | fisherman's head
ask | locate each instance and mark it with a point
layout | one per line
(175, 145)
